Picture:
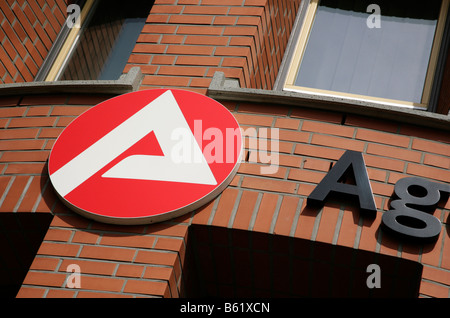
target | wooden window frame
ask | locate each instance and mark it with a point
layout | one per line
(300, 46)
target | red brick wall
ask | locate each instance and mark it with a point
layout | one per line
(28, 30)
(135, 261)
(184, 42)
(148, 260)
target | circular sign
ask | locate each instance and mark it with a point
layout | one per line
(146, 156)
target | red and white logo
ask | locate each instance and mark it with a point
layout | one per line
(146, 156)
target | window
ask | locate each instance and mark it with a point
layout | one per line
(100, 48)
(341, 52)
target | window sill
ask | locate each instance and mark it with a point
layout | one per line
(126, 83)
(223, 89)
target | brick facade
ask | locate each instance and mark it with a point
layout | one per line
(261, 237)
(28, 30)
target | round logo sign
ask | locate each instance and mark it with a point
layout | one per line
(146, 156)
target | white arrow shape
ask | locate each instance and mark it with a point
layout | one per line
(163, 116)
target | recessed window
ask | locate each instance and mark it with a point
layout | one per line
(382, 51)
(100, 48)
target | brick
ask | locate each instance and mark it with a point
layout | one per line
(317, 115)
(178, 230)
(169, 244)
(327, 225)
(368, 238)
(382, 137)
(85, 237)
(266, 212)
(163, 59)
(394, 152)
(30, 292)
(432, 256)
(166, 81)
(226, 204)
(317, 151)
(191, 19)
(171, 9)
(286, 215)
(297, 136)
(25, 168)
(44, 263)
(431, 146)
(89, 267)
(32, 122)
(58, 235)
(337, 142)
(58, 249)
(198, 60)
(19, 133)
(269, 184)
(44, 279)
(32, 144)
(147, 288)
(14, 193)
(102, 283)
(172, 39)
(182, 70)
(202, 214)
(384, 163)
(107, 253)
(22, 156)
(254, 120)
(328, 128)
(255, 169)
(429, 172)
(437, 161)
(220, 2)
(60, 293)
(128, 240)
(225, 20)
(200, 30)
(157, 258)
(371, 123)
(306, 222)
(159, 29)
(349, 227)
(211, 10)
(150, 48)
(245, 210)
(287, 123)
(146, 38)
(12, 111)
(128, 270)
(50, 132)
(306, 175)
(316, 164)
(206, 40)
(190, 50)
(434, 290)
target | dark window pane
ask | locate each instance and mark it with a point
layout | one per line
(105, 45)
(343, 54)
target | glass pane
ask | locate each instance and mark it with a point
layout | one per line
(343, 54)
(105, 45)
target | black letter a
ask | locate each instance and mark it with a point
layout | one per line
(331, 184)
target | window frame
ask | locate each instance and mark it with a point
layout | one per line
(66, 41)
(300, 38)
